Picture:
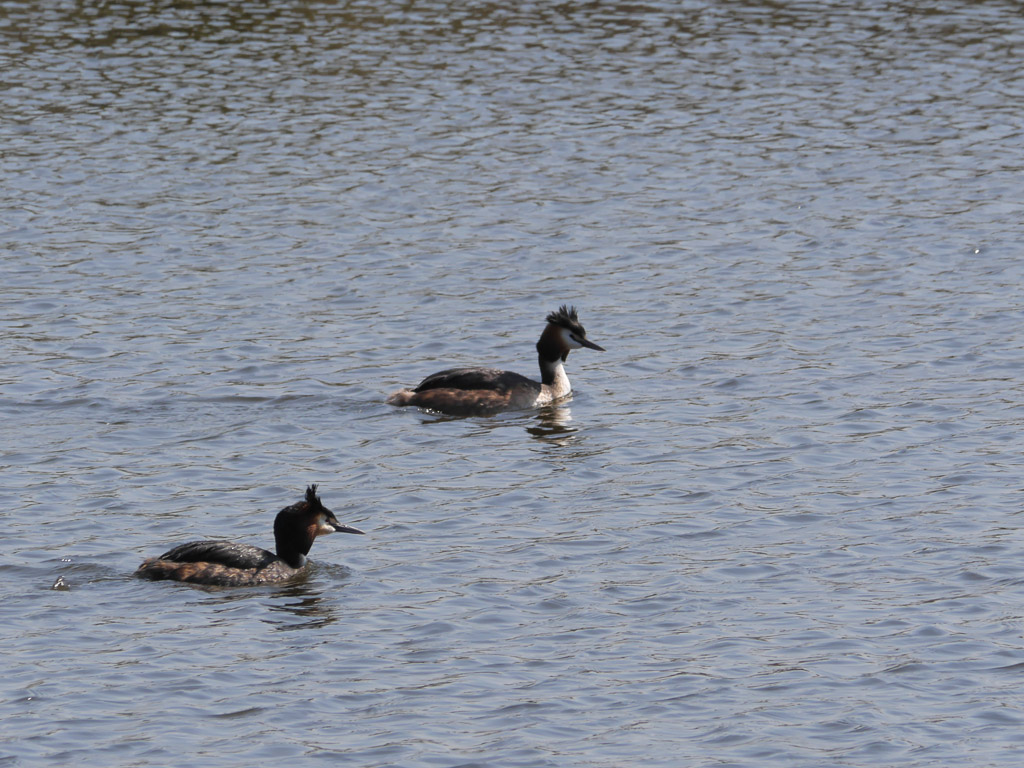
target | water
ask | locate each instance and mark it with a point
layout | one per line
(777, 525)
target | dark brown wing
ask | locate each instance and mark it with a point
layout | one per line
(220, 552)
(478, 378)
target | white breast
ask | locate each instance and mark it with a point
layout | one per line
(556, 390)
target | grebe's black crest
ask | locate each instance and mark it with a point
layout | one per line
(567, 318)
(311, 498)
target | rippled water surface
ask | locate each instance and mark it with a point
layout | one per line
(777, 524)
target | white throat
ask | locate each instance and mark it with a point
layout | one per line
(559, 387)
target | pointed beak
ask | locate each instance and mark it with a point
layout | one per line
(340, 528)
(591, 345)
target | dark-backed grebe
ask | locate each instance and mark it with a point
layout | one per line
(227, 564)
(472, 391)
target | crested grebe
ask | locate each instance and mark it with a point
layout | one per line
(468, 391)
(227, 564)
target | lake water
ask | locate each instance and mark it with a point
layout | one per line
(777, 525)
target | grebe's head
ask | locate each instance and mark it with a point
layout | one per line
(319, 518)
(296, 527)
(566, 327)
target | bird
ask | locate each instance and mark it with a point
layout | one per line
(484, 391)
(229, 564)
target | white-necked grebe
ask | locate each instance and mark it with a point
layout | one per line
(471, 391)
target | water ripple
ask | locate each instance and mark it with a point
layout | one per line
(776, 524)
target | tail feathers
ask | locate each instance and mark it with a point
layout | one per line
(156, 569)
(401, 397)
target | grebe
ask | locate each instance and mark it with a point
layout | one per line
(227, 564)
(469, 391)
